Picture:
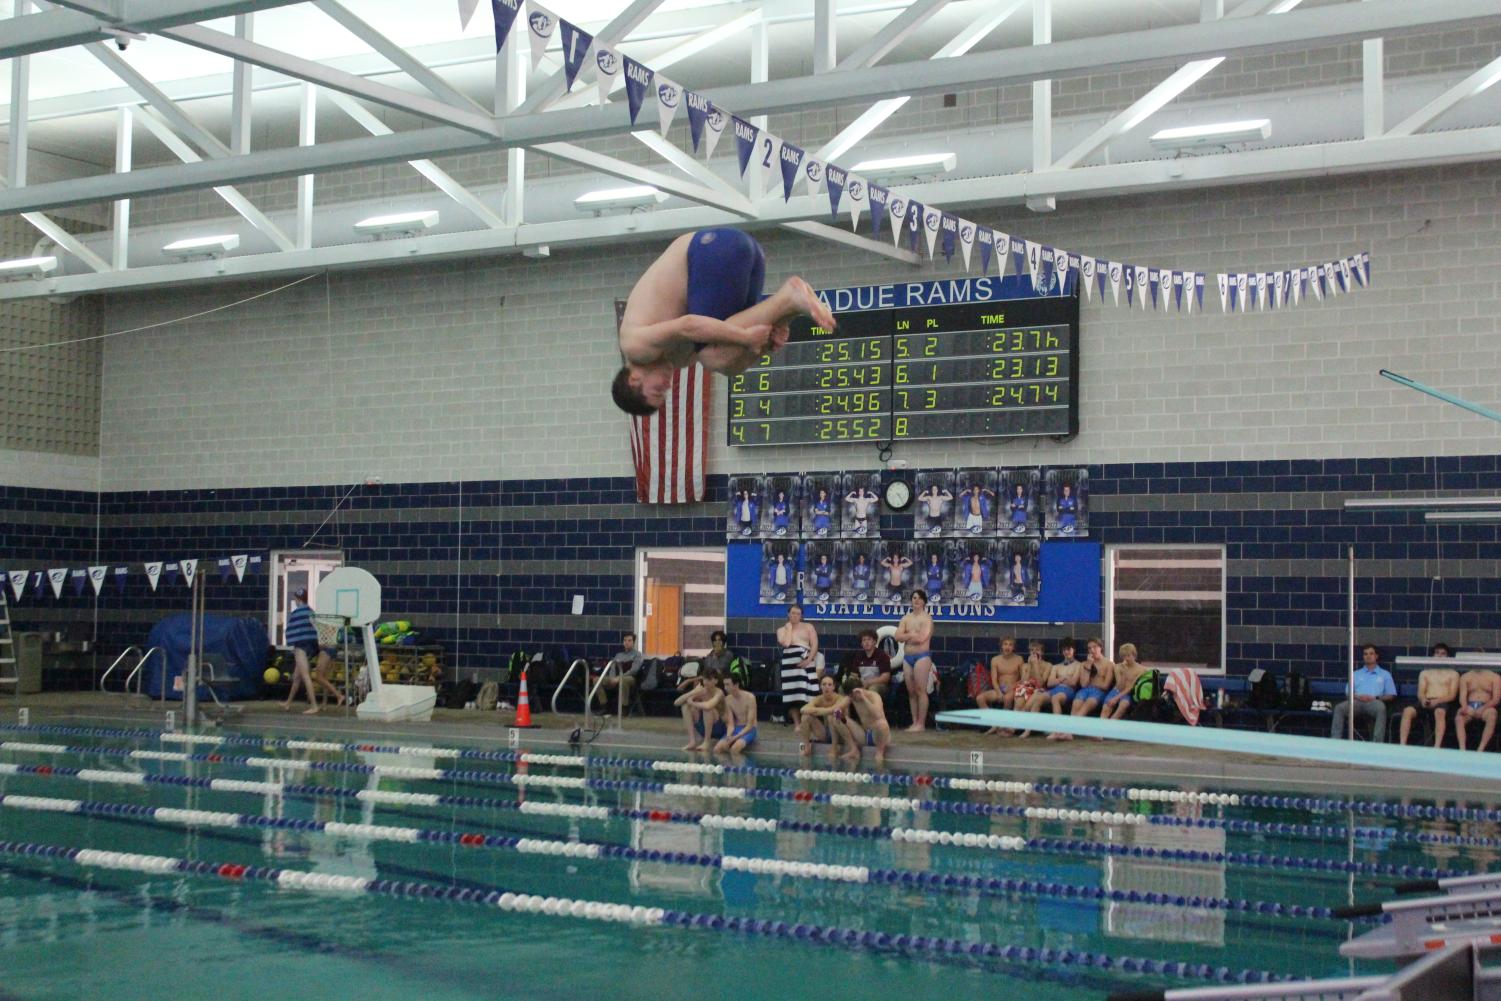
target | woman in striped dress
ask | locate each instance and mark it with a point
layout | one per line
(799, 643)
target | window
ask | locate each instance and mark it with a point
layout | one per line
(291, 570)
(1170, 602)
(679, 600)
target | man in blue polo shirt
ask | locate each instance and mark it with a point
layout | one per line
(1374, 688)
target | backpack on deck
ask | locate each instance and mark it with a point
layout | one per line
(1299, 695)
(740, 671)
(489, 695)
(1146, 687)
(1264, 693)
(761, 676)
(513, 666)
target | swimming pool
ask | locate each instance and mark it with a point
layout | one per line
(323, 869)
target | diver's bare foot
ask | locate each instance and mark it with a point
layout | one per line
(807, 302)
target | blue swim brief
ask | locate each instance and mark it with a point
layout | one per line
(1061, 690)
(1085, 694)
(749, 736)
(726, 269)
(716, 733)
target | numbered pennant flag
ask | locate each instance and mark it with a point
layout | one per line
(80, 579)
(37, 580)
(189, 570)
(1087, 276)
(121, 573)
(916, 212)
(96, 577)
(639, 81)
(878, 197)
(813, 172)
(238, 562)
(669, 96)
(153, 574)
(948, 230)
(1130, 285)
(1002, 251)
(856, 195)
(1154, 284)
(576, 46)
(540, 25)
(505, 12)
(745, 140)
(698, 113)
(966, 240)
(607, 67)
(1116, 271)
(985, 237)
(1141, 285)
(932, 221)
(791, 159)
(466, 11)
(18, 583)
(56, 577)
(834, 178)
(896, 207)
(1034, 260)
(769, 157)
(1225, 286)
(713, 129)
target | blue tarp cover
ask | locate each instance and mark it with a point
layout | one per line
(236, 646)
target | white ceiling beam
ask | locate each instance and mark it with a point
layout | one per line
(313, 72)
(120, 231)
(61, 237)
(170, 110)
(399, 56)
(869, 120)
(149, 117)
(307, 128)
(555, 86)
(440, 178)
(1314, 160)
(825, 36)
(732, 202)
(684, 161)
(846, 238)
(20, 103)
(890, 36)
(241, 91)
(1482, 79)
(1042, 104)
(1348, 22)
(60, 29)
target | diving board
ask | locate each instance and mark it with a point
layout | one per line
(1471, 764)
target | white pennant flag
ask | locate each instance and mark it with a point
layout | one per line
(669, 96)
(1034, 260)
(96, 577)
(607, 67)
(1279, 290)
(1295, 286)
(1086, 270)
(1365, 268)
(153, 574)
(1002, 252)
(896, 209)
(238, 562)
(57, 577)
(541, 23)
(466, 11)
(1332, 270)
(931, 220)
(1264, 290)
(1224, 293)
(1348, 272)
(1115, 280)
(714, 126)
(812, 171)
(1141, 285)
(856, 196)
(18, 582)
(189, 568)
(1243, 289)
(966, 240)
(1316, 281)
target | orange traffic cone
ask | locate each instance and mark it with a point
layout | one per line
(523, 705)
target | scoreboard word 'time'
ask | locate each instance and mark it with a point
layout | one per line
(973, 370)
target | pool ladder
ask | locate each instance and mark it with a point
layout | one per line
(135, 674)
(589, 693)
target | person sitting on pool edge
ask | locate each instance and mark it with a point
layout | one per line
(703, 707)
(824, 721)
(870, 713)
(1118, 702)
(740, 718)
(700, 301)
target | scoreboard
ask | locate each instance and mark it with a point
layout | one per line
(1001, 368)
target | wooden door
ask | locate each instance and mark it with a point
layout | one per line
(664, 619)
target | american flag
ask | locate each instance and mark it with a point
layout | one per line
(671, 447)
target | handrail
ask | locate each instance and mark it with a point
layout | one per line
(136, 674)
(116, 663)
(564, 683)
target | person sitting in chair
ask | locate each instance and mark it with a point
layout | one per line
(1374, 690)
(622, 672)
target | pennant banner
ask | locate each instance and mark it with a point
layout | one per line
(56, 577)
(541, 24)
(607, 66)
(18, 582)
(698, 114)
(669, 96)
(638, 84)
(505, 12)
(576, 46)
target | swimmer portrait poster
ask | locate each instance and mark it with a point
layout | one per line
(974, 571)
(857, 561)
(821, 505)
(1019, 580)
(1021, 502)
(780, 511)
(974, 503)
(779, 572)
(935, 502)
(743, 520)
(821, 580)
(894, 571)
(933, 575)
(1067, 505)
(860, 493)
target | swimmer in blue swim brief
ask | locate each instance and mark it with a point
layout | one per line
(1097, 677)
(702, 701)
(701, 302)
(740, 710)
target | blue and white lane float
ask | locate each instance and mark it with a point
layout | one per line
(627, 914)
(892, 803)
(1078, 790)
(1054, 846)
(946, 882)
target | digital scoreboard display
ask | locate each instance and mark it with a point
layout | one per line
(1001, 368)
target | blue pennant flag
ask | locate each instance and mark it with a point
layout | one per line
(1154, 282)
(1018, 256)
(950, 226)
(1046, 268)
(792, 162)
(985, 237)
(1069, 269)
(833, 179)
(1130, 277)
(745, 140)
(121, 573)
(638, 83)
(1101, 275)
(252, 566)
(915, 213)
(576, 45)
(1198, 279)
(80, 580)
(505, 12)
(36, 583)
(1178, 277)
(224, 569)
(879, 198)
(1234, 293)
(698, 113)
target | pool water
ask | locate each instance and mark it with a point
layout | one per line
(69, 930)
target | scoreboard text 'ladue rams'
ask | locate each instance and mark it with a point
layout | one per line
(1002, 368)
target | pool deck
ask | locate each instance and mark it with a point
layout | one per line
(948, 750)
